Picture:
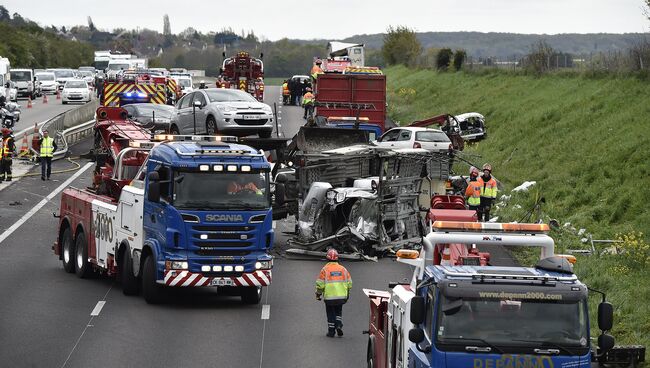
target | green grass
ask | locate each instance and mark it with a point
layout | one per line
(585, 141)
(273, 81)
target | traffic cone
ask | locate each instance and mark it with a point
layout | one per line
(44, 98)
(446, 257)
(24, 147)
(29, 102)
(58, 94)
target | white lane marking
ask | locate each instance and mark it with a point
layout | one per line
(266, 301)
(42, 203)
(266, 311)
(98, 308)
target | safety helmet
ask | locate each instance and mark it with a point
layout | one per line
(308, 89)
(487, 167)
(319, 61)
(332, 255)
(473, 170)
(202, 81)
(6, 131)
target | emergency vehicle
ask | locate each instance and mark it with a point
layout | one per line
(485, 316)
(162, 213)
(243, 72)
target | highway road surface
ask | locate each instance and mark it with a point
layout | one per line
(40, 111)
(49, 318)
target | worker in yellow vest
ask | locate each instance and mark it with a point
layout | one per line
(308, 103)
(48, 146)
(488, 192)
(7, 151)
(473, 191)
(285, 92)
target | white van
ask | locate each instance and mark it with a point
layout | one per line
(26, 84)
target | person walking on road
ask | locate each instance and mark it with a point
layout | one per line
(473, 191)
(48, 146)
(308, 104)
(488, 192)
(7, 151)
(285, 92)
(333, 285)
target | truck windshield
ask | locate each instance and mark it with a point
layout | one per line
(21, 76)
(514, 323)
(101, 64)
(118, 66)
(224, 191)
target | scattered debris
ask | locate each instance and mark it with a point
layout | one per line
(581, 232)
(524, 186)
(15, 203)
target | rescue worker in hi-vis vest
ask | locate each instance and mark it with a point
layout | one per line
(308, 103)
(473, 191)
(48, 146)
(488, 192)
(286, 94)
(7, 151)
(333, 285)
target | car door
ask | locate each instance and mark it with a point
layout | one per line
(404, 139)
(185, 122)
(201, 112)
(389, 138)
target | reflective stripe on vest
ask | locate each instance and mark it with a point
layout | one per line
(4, 150)
(47, 147)
(489, 189)
(473, 193)
(334, 282)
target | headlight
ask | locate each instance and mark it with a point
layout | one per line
(226, 108)
(267, 109)
(176, 265)
(340, 197)
(263, 265)
(330, 194)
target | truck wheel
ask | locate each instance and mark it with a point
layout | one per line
(82, 267)
(251, 294)
(211, 126)
(67, 250)
(151, 291)
(370, 355)
(266, 134)
(130, 285)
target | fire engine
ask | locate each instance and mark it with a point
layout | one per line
(135, 87)
(173, 211)
(485, 316)
(244, 72)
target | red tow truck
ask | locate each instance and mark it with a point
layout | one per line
(243, 72)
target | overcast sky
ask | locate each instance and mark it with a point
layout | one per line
(337, 19)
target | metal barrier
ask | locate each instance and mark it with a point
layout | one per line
(68, 127)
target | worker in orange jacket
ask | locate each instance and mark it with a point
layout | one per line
(488, 192)
(473, 191)
(334, 284)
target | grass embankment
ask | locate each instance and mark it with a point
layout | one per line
(585, 141)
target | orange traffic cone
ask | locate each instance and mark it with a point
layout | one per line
(58, 94)
(44, 98)
(24, 147)
(29, 102)
(446, 257)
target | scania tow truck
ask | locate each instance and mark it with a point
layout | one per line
(162, 212)
(486, 316)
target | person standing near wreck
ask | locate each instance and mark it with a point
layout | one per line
(333, 285)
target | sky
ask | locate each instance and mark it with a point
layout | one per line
(337, 19)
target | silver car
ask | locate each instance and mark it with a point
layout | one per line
(222, 111)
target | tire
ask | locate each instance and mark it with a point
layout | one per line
(211, 126)
(130, 283)
(251, 294)
(83, 268)
(64, 102)
(152, 292)
(265, 134)
(370, 354)
(67, 251)
(174, 130)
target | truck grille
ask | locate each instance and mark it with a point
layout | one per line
(471, 261)
(222, 228)
(207, 244)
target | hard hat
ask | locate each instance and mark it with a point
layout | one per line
(6, 131)
(202, 81)
(487, 167)
(308, 89)
(473, 170)
(319, 61)
(332, 255)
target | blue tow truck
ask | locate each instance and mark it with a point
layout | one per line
(188, 211)
(486, 316)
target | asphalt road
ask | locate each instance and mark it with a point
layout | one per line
(47, 319)
(40, 112)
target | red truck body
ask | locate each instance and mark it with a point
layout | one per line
(243, 72)
(352, 88)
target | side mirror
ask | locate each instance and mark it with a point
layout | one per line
(605, 343)
(198, 104)
(7, 85)
(417, 310)
(153, 190)
(416, 335)
(261, 55)
(605, 316)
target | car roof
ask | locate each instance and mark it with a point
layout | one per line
(469, 115)
(417, 129)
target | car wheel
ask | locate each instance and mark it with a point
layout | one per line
(64, 102)
(151, 291)
(174, 130)
(211, 126)
(251, 294)
(266, 134)
(67, 251)
(82, 267)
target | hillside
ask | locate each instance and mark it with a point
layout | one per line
(584, 141)
(507, 45)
